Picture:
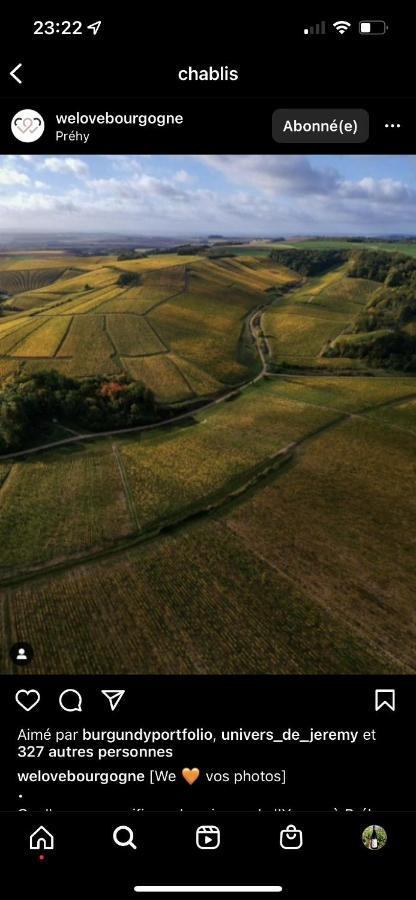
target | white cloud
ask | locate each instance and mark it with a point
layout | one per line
(138, 186)
(25, 202)
(9, 176)
(68, 164)
(183, 177)
(275, 174)
(383, 190)
(228, 194)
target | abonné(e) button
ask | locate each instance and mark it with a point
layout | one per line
(320, 126)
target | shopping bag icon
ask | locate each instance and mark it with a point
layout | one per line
(291, 838)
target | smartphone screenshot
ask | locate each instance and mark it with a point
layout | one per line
(207, 453)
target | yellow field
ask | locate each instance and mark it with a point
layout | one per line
(111, 550)
(190, 307)
(95, 278)
(32, 299)
(89, 347)
(9, 324)
(199, 380)
(161, 375)
(157, 286)
(133, 335)
(90, 301)
(67, 286)
(45, 341)
(161, 261)
(15, 281)
(253, 272)
(204, 326)
(14, 336)
(51, 259)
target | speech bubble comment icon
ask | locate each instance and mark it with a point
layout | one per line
(70, 700)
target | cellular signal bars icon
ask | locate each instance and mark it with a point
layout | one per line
(319, 28)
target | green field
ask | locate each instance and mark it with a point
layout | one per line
(90, 512)
(200, 601)
(279, 515)
(299, 325)
(352, 517)
(263, 249)
(408, 247)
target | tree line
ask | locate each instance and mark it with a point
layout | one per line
(309, 262)
(30, 403)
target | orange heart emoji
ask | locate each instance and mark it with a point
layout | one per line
(190, 775)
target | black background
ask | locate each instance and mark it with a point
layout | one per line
(138, 52)
(132, 66)
(210, 125)
(332, 863)
(319, 775)
(137, 55)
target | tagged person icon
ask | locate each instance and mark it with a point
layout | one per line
(21, 653)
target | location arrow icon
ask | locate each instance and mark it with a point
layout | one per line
(113, 698)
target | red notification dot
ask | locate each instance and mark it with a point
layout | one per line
(41, 857)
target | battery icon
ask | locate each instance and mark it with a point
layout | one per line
(373, 26)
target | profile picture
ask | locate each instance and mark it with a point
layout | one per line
(374, 837)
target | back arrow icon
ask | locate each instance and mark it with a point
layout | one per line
(13, 73)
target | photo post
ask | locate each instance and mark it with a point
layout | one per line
(207, 453)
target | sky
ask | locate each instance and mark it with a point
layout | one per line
(253, 195)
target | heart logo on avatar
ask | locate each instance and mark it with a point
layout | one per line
(190, 775)
(27, 699)
(26, 124)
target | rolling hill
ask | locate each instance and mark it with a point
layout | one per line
(270, 496)
(180, 330)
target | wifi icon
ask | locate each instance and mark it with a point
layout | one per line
(341, 26)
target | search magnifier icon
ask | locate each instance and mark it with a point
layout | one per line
(123, 836)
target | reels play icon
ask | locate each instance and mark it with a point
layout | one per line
(27, 125)
(208, 837)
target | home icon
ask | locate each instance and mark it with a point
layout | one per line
(42, 839)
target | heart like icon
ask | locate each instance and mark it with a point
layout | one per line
(190, 775)
(27, 699)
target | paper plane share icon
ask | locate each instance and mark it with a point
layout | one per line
(113, 698)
